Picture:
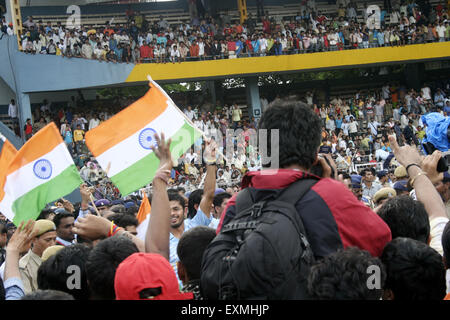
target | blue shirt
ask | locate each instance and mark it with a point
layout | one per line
(200, 219)
(68, 137)
(14, 289)
(338, 123)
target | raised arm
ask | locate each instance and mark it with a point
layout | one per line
(158, 231)
(425, 190)
(210, 179)
(95, 227)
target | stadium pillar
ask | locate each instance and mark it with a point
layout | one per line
(219, 92)
(242, 6)
(253, 98)
(412, 75)
(24, 111)
(212, 91)
(8, 14)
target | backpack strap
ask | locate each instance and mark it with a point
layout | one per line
(244, 200)
(295, 191)
(292, 194)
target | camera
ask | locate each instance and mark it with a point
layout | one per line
(442, 165)
(317, 169)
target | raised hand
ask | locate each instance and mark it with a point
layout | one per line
(162, 152)
(406, 155)
(92, 227)
(20, 241)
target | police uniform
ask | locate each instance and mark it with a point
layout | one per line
(29, 263)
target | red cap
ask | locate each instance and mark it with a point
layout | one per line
(144, 271)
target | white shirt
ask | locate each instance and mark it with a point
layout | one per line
(440, 31)
(190, 114)
(93, 123)
(345, 127)
(373, 127)
(12, 110)
(353, 127)
(426, 94)
(201, 48)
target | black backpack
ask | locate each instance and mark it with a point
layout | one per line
(263, 253)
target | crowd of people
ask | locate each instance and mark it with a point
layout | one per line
(397, 224)
(354, 194)
(205, 37)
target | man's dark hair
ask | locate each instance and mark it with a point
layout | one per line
(132, 210)
(299, 132)
(3, 228)
(44, 214)
(102, 263)
(191, 247)
(406, 217)
(219, 198)
(47, 295)
(54, 273)
(118, 208)
(175, 196)
(58, 217)
(344, 275)
(415, 271)
(124, 220)
(194, 198)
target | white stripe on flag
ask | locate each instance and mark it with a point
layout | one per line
(24, 179)
(142, 228)
(129, 151)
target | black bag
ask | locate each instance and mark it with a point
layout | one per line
(263, 253)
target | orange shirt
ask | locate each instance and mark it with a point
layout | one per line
(110, 31)
(194, 50)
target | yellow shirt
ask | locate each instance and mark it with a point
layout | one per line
(78, 135)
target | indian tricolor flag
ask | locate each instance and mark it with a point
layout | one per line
(6, 156)
(40, 172)
(122, 144)
(143, 217)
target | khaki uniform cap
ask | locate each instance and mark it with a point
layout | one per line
(384, 193)
(400, 172)
(50, 251)
(43, 226)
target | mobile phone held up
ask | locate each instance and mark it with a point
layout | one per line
(442, 165)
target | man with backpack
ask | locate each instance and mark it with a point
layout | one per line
(286, 218)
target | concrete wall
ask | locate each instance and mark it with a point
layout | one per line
(6, 94)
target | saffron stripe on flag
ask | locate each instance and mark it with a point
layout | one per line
(26, 179)
(132, 146)
(127, 122)
(39, 145)
(6, 156)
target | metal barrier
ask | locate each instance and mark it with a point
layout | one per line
(358, 167)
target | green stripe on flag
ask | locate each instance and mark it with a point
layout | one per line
(142, 172)
(29, 205)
